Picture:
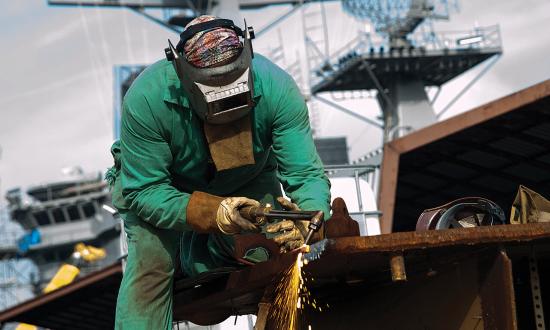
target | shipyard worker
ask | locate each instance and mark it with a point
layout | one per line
(208, 130)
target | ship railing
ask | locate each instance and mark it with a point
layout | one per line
(478, 38)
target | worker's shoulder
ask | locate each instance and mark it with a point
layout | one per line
(264, 69)
(150, 84)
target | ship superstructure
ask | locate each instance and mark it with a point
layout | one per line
(56, 216)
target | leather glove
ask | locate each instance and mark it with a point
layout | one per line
(290, 234)
(229, 219)
(302, 225)
(214, 214)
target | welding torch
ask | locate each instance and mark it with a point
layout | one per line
(264, 213)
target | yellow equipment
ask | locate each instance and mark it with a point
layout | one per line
(65, 275)
(67, 272)
(89, 253)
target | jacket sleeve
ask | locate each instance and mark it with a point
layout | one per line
(300, 169)
(145, 175)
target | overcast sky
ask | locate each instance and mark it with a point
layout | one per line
(57, 84)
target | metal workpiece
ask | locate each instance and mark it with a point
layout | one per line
(452, 238)
(467, 271)
(456, 267)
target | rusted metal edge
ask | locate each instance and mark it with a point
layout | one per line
(472, 117)
(28, 305)
(240, 282)
(440, 238)
(245, 280)
(255, 278)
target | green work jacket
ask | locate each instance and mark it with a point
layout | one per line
(164, 153)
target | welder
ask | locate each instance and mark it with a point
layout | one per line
(205, 132)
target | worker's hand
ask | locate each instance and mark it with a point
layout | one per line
(229, 219)
(301, 225)
(287, 204)
(288, 236)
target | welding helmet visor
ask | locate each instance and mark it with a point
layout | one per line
(219, 94)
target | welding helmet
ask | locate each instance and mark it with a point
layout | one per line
(462, 213)
(220, 94)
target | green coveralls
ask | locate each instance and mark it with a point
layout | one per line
(164, 158)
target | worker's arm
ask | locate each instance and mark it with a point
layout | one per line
(146, 180)
(145, 176)
(300, 169)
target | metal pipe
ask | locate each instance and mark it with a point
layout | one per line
(378, 85)
(432, 101)
(325, 30)
(367, 213)
(358, 189)
(360, 199)
(376, 182)
(393, 132)
(350, 167)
